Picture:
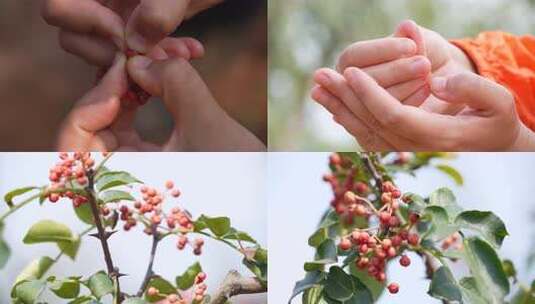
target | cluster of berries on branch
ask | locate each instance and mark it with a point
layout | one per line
(196, 294)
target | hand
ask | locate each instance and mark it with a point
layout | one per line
(388, 61)
(96, 29)
(200, 123)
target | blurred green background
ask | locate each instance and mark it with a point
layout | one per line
(308, 34)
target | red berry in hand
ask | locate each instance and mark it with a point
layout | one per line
(405, 261)
(393, 288)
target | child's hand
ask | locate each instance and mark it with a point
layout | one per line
(390, 54)
(488, 123)
(95, 32)
(200, 123)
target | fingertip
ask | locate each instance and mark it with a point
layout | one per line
(421, 66)
(322, 77)
(139, 62)
(316, 93)
(197, 49)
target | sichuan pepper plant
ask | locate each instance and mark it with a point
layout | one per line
(371, 225)
(112, 201)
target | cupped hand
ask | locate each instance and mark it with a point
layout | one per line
(96, 29)
(393, 60)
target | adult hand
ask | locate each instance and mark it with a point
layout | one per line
(96, 29)
(488, 123)
(200, 123)
(402, 61)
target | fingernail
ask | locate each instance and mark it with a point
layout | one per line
(140, 62)
(323, 79)
(438, 84)
(136, 42)
(419, 65)
(409, 48)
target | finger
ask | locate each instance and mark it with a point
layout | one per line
(407, 121)
(87, 17)
(399, 71)
(187, 48)
(152, 21)
(418, 97)
(337, 85)
(176, 81)
(104, 141)
(477, 92)
(372, 52)
(92, 48)
(404, 91)
(343, 116)
(96, 111)
(409, 29)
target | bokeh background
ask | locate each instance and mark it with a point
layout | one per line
(297, 197)
(40, 82)
(212, 184)
(308, 34)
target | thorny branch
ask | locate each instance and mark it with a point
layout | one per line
(102, 234)
(235, 284)
(150, 273)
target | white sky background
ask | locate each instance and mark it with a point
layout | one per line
(502, 183)
(218, 184)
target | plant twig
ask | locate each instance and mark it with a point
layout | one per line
(150, 273)
(102, 234)
(368, 162)
(235, 284)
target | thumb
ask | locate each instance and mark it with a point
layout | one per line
(477, 92)
(96, 110)
(409, 29)
(176, 82)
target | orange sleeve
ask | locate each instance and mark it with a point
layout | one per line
(510, 61)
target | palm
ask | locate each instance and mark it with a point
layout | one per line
(443, 63)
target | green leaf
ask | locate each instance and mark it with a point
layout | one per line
(84, 214)
(417, 204)
(99, 284)
(444, 287)
(163, 286)
(234, 234)
(470, 292)
(259, 269)
(312, 295)
(115, 196)
(325, 254)
(135, 300)
(35, 270)
(486, 268)
(66, 289)
(331, 218)
(452, 172)
(440, 223)
(361, 293)
(312, 279)
(339, 285)
(84, 300)
(5, 252)
(443, 197)
(8, 198)
(112, 179)
(48, 231)
(27, 292)
(187, 279)
(487, 226)
(261, 255)
(71, 248)
(318, 237)
(375, 287)
(509, 268)
(218, 225)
